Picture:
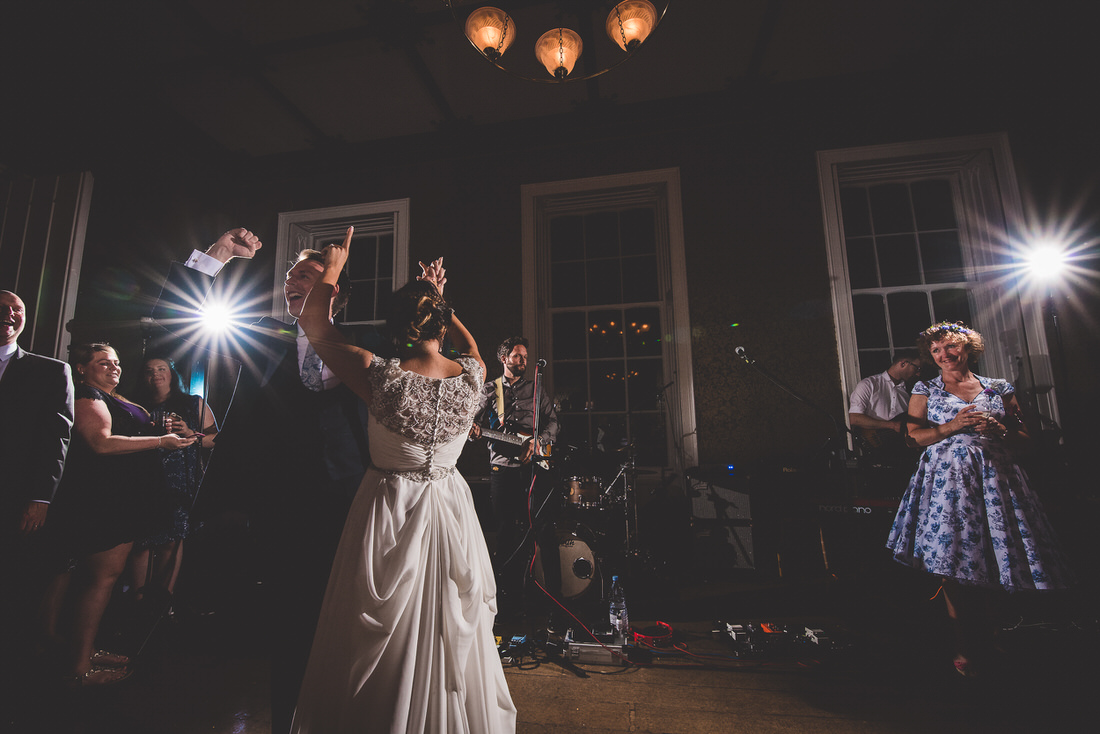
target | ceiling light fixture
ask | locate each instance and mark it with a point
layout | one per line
(628, 24)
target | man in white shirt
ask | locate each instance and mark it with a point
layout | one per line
(881, 401)
(877, 413)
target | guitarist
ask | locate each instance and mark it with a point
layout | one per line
(507, 404)
(879, 404)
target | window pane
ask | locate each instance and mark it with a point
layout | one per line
(361, 264)
(942, 257)
(385, 256)
(601, 234)
(611, 435)
(568, 330)
(951, 305)
(642, 327)
(890, 208)
(361, 302)
(566, 238)
(604, 285)
(637, 231)
(570, 386)
(575, 426)
(870, 316)
(608, 383)
(897, 260)
(857, 216)
(385, 290)
(862, 270)
(640, 279)
(873, 362)
(605, 336)
(933, 205)
(567, 284)
(645, 381)
(908, 317)
(648, 433)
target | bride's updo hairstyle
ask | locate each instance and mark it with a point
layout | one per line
(417, 313)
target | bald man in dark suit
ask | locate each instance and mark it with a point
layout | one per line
(36, 420)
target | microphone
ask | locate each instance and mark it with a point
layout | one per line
(541, 363)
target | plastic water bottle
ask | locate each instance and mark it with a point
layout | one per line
(620, 621)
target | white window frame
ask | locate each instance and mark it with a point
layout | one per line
(315, 228)
(601, 191)
(991, 218)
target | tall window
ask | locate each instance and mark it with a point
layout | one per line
(922, 232)
(609, 312)
(377, 263)
(905, 264)
(606, 328)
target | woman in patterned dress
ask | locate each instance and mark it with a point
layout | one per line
(969, 515)
(404, 642)
(161, 391)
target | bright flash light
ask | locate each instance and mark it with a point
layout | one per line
(217, 318)
(1046, 262)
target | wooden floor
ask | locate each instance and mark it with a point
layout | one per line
(887, 669)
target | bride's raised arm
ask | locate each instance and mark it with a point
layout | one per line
(461, 339)
(347, 361)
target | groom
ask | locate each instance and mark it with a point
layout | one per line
(291, 452)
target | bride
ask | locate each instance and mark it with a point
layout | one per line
(405, 637)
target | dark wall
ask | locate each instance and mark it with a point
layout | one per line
(752, 218)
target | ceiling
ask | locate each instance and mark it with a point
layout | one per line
(260, 78)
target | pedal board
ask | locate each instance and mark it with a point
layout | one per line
(610, 652)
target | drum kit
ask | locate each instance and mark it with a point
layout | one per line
(598, 532)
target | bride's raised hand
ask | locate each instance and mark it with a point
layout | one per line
(337, 255)
(434, 273)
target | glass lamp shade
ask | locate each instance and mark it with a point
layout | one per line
(491, 30)
(630, 22)
(558, 50)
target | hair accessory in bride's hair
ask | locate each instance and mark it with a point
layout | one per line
(956, 327)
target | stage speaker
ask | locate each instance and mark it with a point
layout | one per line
(722, 545)
(721, 519)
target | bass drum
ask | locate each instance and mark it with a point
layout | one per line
(580, 567)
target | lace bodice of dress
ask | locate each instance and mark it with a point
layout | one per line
(425, 410)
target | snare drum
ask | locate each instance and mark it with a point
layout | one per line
(584, 491)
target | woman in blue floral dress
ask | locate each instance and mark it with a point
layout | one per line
(968, 515)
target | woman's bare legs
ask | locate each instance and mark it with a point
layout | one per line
(968, 609)
(101, 572)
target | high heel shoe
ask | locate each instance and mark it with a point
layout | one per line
(965, 668)
(96, 677)
(104, 659)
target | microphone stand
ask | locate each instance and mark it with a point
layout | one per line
(840, 454)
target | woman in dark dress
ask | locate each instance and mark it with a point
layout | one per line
(99, 510)
(160, 389)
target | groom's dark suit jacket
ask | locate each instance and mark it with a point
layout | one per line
(291, 460)
(281, 446)
(36, 419)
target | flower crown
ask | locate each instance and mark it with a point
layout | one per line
(953, 326)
